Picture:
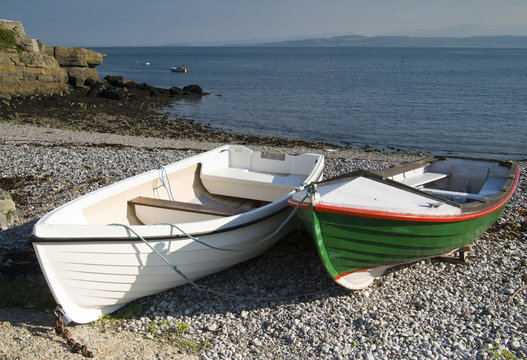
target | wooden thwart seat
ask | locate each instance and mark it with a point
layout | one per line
(186, 206)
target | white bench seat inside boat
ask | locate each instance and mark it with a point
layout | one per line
(255, 175)
(490, 187)
(423, 178)
(250, 184)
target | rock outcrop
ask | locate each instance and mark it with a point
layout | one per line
(28, 66)
(7, 210)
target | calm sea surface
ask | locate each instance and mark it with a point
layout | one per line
(460, 101)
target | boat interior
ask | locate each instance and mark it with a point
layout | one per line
(455, 179)
(205, 190)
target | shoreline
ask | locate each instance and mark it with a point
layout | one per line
(137, 110)
(27, 133)
(425, 309)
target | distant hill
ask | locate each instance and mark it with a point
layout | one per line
(405, 41)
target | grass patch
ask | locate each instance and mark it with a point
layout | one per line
(9, 215)
(181, 328)
(191, 345)
(22, 292)
(7, 39)
(125, 313)
(500, 353)
(157, 329)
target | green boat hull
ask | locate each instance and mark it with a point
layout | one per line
(348, 244)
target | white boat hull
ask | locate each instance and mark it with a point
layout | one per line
(93, 278)
(94, 267)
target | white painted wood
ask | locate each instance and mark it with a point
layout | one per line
(369, 194)
(453, 194)
(90, 279)
(262, 179)
(424, 178)
(492, 185)
(366, 193)
(250, 184)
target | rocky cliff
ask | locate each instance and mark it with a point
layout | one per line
(27, 66)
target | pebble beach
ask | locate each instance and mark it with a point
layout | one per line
(281, 305)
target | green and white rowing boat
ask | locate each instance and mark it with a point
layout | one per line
(365, 222)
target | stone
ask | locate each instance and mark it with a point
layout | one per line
(48, 50)
(91, 74)
(95, 86)
(7, 210)
(4, 195)
(32, 67)
(69, 56)
(175, 91)
(110, 94)
(212, 327)
(193, 89)
(515, 344)
(93, 58)
(79, 75)
(118, 81)
(255, 342)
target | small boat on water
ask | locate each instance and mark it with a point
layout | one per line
(181, 69)
(365, 222)
(230, 197)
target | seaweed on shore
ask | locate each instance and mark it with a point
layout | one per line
(125, 108)
(15, 185)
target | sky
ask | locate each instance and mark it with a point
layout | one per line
(202, 22)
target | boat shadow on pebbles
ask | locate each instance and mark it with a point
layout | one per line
(290, 273)
(287, 274)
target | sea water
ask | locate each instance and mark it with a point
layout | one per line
(457, 101)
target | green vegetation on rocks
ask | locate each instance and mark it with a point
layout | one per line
(7, 39)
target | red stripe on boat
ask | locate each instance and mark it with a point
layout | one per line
(387, 215)
(350, 272)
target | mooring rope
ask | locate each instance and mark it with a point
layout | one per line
(174, 267)
(309, 193)
(162, 174)
(259, 242)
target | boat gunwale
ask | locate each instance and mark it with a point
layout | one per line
(252, 220)
(474, 210)
(229, 223)
(397, 169)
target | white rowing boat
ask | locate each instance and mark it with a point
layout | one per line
(229, 197)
